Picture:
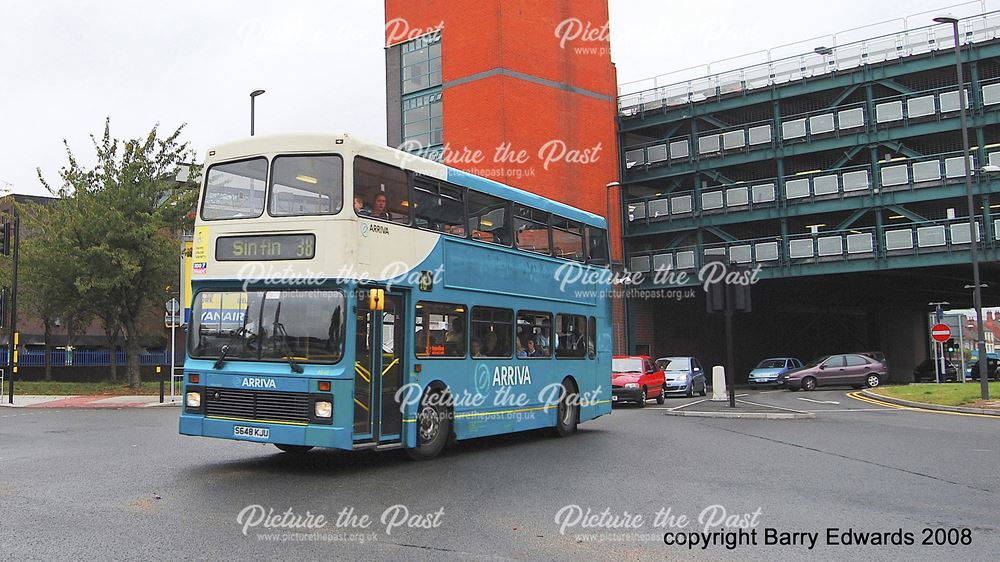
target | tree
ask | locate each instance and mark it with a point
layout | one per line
(47, 284)
(121, 218)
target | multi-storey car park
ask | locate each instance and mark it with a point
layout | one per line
(839, 172)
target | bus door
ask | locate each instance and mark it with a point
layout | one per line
(378, 365)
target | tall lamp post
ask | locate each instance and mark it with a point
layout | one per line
(621, 248)
(253, 96)
(977, 294)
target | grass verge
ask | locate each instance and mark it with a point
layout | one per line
(53, 388)
(946, 394)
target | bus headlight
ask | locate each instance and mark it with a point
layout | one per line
(193, 400)
(323, 409)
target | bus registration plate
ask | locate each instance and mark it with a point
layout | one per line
(255, 432)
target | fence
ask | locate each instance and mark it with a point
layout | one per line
(83, 358)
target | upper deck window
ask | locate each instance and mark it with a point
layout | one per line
(597, 242)
(488, 220)
(531, 228)
(438, 206)
(307, 185)
(380, 191)
(235, 190)
(567, 239)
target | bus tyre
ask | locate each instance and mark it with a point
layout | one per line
(433, 427)
(294, 449)
(568, 410)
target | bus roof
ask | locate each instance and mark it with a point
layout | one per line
(314, 142)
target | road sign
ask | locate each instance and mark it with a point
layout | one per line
(171, 320)
(941, 333)
(172, 306)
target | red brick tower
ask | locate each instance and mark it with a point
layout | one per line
(521, 91)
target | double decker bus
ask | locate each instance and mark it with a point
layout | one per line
(352, 296)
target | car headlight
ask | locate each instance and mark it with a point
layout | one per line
(193, 400)
(631, 385)
(323, 409)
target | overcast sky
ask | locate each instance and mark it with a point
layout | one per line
(66, 64)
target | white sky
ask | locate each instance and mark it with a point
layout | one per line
(66, 64)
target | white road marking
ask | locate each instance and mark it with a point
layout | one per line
(819, 401)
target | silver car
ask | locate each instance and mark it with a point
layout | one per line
(684, 375)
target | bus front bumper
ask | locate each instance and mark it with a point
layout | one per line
(263, 432)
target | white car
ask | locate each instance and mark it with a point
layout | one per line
(685, 375)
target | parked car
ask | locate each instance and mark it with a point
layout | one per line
(768, 370)
(635, 378)
(684, 375)
(992, 367)
(849, 369)
(926, 371)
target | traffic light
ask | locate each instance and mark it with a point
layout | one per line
(5, 235)
(951, 346)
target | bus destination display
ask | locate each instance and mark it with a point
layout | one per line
(271, 247)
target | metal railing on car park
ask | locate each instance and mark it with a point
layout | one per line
(904, 174)
(893, 111)
(649, 94)
(883, 242)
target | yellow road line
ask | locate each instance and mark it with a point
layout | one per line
(859, 397)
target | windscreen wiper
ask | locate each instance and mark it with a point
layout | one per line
(225, 349)
(239, 332)
(282, 336)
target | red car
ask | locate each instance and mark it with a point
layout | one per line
(635, 378)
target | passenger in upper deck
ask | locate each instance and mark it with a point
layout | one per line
(378, 206)
(359, 205)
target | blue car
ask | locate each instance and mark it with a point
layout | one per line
(768, 370)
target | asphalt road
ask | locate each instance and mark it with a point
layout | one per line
(122, 484)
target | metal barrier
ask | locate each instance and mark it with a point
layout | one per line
(86, 358)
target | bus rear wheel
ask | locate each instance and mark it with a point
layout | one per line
(568, 410)
(433, 427)
(294, 449)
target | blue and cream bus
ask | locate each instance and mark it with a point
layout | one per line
(353, 296)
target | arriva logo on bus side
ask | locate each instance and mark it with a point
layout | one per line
(508, 375)
(257, 382)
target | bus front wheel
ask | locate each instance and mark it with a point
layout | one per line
(433, 428)
(568, 410)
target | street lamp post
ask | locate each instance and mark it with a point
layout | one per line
(621, 247)
(977, 294)
(253, 96)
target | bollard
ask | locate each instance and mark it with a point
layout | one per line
(159, 373)
(719, 393)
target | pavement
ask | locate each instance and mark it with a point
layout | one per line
(122, 484)
(128, 401)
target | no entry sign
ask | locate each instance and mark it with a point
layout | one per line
(941, 333)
